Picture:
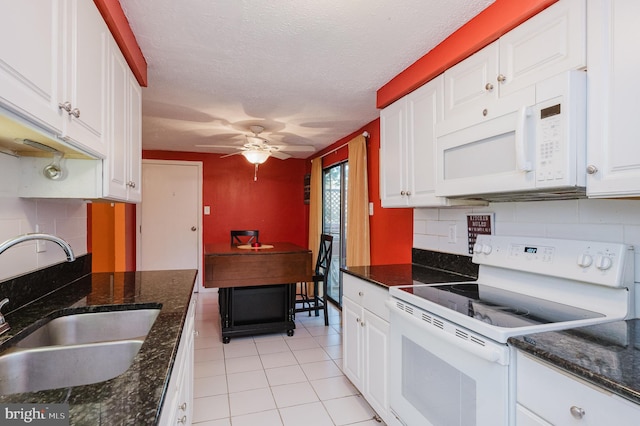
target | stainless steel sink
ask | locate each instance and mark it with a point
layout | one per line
(92, 327)
(52, 367)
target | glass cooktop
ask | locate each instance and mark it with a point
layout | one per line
(494, 306)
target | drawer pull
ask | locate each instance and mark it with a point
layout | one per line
(576, 412)
(183, 420)
(183, 406)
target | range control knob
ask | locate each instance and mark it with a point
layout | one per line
(603, 263)
(482, 248)
(585, 260)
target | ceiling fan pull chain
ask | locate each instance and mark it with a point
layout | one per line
(255, 173)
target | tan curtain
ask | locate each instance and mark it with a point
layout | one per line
(315, 208)
(358, 252)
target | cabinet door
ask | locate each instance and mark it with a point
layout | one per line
(352, 342)
(613, 151)
(30, 63)
(558, 397)
(393, 181)
(376, 363)
(424, 109)
(135, 140)
(116, 168)
(85, 70)
(549, 43)
(470, 88)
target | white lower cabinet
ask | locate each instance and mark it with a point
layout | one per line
(365, 328)
(549, 396)
(178, 405)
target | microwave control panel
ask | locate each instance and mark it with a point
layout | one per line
(550, 150)
(560, 126)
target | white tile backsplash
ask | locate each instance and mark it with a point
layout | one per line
(64, 218)
(599, 220)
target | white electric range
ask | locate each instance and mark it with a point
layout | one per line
(450, 362)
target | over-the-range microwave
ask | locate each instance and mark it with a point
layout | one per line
(529, 152)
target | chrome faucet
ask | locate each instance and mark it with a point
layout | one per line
(4, 325)
(35, 236)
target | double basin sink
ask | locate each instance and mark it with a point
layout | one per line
(75, 350)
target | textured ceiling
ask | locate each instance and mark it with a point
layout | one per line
(305, 70)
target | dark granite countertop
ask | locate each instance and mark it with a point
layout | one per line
(135, 397)
(606, 355)
(427, 267)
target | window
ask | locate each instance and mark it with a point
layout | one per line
(334, 210)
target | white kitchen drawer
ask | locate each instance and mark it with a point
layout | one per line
(370, 296)
(552, 394)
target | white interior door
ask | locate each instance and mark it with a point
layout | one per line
(169, 220)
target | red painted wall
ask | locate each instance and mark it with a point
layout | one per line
(274, 204)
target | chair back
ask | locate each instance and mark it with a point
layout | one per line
(323, 263)
(244, 237)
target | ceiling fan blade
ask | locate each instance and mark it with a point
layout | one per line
(295, 148)
(220, 146)
(280, 155)
(229, 155)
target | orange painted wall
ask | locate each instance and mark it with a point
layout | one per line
(113, 244)
(274, 204)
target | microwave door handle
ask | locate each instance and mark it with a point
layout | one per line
(521, 139)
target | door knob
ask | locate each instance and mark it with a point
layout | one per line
(193, 228)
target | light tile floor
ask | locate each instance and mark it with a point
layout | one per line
(273, 379)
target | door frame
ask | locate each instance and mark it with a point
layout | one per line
(199, 283)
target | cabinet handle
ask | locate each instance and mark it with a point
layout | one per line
(485, 112)
(577, 412)
(403, 193)
(361, 323)
(360, 293)
(501, 78)
(183, 420)
(408, 193)
(65, 106)
(131, 184)
(358, 320)
(591, 169)
(75, 112)
(488, 87)
(183, 406)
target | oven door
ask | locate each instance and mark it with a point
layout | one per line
(441, 374)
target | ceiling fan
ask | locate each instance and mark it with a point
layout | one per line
(257, 149)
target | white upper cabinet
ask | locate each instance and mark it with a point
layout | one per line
(52, 69)
(31, 67)
(407, 149)
(613, 148)
(503, 74)
(122, 169)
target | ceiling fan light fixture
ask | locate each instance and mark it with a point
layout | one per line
(255, 156)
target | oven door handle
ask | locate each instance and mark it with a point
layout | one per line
(487, 353)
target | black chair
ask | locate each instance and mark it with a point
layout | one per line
(310, 300)
(244, 237)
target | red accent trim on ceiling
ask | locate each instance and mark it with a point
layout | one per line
(118, 24)
(486, 27)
